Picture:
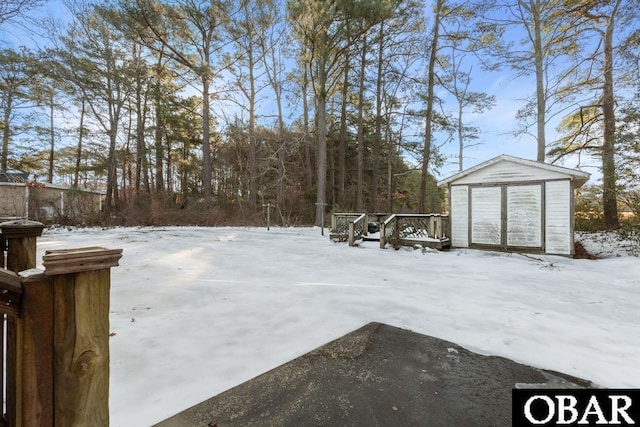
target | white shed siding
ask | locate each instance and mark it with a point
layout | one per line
(459, 216)
(558, 237)
(486, 214)
(514, 203)
(524, 216)
(504, 172)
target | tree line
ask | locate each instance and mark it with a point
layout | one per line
(219, 107)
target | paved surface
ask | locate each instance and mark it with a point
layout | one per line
(378, 375)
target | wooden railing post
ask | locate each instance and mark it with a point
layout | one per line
(352, 233)
(432, 230)
(438, 227)
(3, 247)
(35, 359)
(20, 239)
(81, 284)
(384, 233)
(21, 243)
(396, 233)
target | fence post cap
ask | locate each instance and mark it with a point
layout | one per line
(65, 261)
(21, 228)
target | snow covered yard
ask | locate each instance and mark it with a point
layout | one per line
(196, 311)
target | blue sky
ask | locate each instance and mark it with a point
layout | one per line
(498, 125)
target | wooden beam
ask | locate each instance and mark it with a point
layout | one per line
(66, 261)
(37, 352)
(81, 283)
(81, 348)
(14, 366)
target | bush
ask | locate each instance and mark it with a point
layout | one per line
(589, 221)
(629, 237)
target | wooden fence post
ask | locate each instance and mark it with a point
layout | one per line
(35, 378)
(21, 243)
(81, 284)
(58, 343)
(395, 241)
(352, 231)
(20, 239)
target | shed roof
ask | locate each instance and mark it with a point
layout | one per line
(579, 177)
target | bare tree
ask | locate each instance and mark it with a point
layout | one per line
(14, 10)
(248, 29)
(457, 81)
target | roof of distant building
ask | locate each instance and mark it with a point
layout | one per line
(14, 177)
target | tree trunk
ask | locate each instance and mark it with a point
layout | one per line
(206, 147)
(609, 197)
(252, 139)
(377, 141)
(321, 113)
(360, 184)
(159, 147)
(426, 155)
(307, 142)
(141, 149)
(52, 140)
(541, 112)
(282, 153)
(111, 199)
(342, 147)
(331, 167)
(76, 173)
(4, 158)
(390, 154)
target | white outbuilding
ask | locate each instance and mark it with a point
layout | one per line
(509, 203)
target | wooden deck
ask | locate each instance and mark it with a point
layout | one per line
(426, 230)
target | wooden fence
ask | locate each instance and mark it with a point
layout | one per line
(428, 230)
(55, 332)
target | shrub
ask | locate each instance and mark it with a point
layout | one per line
(629, 237)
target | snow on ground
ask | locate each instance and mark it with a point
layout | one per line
(196, 311)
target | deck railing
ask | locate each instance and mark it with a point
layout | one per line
(340, 225)
(357, 229)
(409, 229)
(54, 333)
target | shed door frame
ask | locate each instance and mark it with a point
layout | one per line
(504, 218)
